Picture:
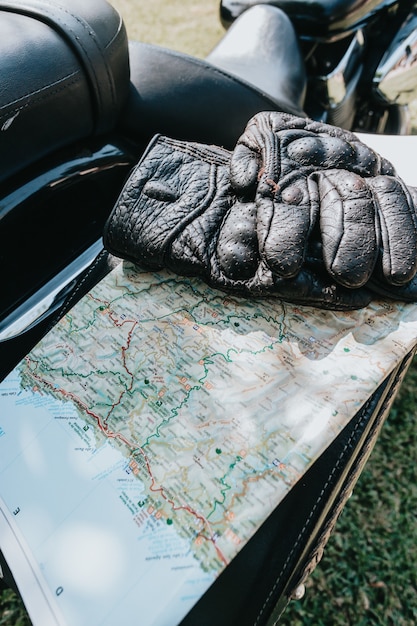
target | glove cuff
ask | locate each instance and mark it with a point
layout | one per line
(173, 183)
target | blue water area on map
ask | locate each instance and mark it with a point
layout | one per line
(67, 498)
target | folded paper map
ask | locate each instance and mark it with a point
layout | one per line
(150, 433)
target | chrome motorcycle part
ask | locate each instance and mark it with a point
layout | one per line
(334, 88)
(395, 79)
(56, 211)
(342, 44)
(324, 20)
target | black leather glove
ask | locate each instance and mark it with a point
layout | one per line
(320, 192)
(178, 211)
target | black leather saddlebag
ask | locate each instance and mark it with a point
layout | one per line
(257, 585)
(64, 70)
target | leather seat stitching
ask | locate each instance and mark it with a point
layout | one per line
(42, 97)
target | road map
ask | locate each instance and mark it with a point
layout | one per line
(146, 438)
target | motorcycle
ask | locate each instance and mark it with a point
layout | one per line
(71, 133)
(359, 59)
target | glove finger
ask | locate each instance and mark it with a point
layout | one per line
(245, 165)
(284, 225)
(398, 223)
(401, 293)
(344, 149)
(256, 156)
(348, 227)
(237, 251)
(314, 289)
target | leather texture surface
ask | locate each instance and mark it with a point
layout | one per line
(183, 97)
(300, 210)
(178, 211)
(306, 176)
(256, 48)
(65, 75)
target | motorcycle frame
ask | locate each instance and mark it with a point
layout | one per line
(77, 173)
(347, 58)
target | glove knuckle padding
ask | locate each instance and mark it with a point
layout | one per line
(321, 152)
(237, 245)
(300, 210)
(244, 168)
(398, 228)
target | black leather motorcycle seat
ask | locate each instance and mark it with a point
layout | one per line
(65, 76)
(312, 19)
(257, 48)
(170, 93)
(68, 71)
(188, 98)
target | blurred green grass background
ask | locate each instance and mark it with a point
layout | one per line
(368, 575)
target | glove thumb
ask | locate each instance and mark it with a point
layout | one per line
(244, 170)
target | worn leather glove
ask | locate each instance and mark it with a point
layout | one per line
(178, 211)
(320, 191)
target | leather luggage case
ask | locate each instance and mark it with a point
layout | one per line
(257, 585)
(64, 76)
(80, 85)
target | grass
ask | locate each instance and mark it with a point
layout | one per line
(192, 26)
(368, 575)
